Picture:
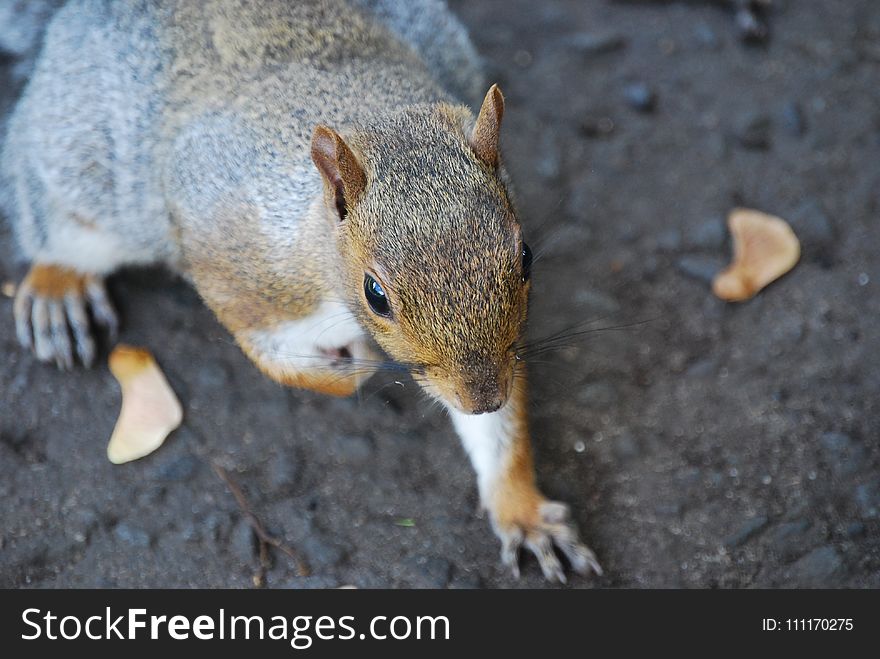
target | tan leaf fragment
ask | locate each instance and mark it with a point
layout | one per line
(764, 249)
(150, 410)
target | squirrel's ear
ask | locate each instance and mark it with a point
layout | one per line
(485, 135)
(340, 168)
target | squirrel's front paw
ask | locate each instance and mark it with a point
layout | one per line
(51, 305)
(542, 527)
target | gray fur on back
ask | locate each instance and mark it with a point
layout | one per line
(120, 127)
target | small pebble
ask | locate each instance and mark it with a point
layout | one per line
(701, 268)
(751, 28)
(755, 132)
(597, 126)
(640, 97)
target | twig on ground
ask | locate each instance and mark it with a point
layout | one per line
(263, 536)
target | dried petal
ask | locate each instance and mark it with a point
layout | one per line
(150, 410)
(764, 249)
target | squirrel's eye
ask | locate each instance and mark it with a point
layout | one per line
(526, 262)
(376, 297)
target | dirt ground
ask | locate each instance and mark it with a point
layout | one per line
(701, 444)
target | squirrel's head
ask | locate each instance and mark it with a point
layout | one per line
(433, 256)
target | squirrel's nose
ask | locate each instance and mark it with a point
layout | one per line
(484, 398)
(484, 407)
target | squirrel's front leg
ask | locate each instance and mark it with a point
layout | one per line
(499, 448)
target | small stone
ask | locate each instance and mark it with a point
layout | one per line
(701, 268)
(709, 234)
(132, 535)
(751, 27)
(755, 132)
(243, 542)
(845, 455)
(821, 568)
(595, 43)
(597, 126)
(179, 469)
(868, 498)
(640, 97)
(748, 530)
(793, 119)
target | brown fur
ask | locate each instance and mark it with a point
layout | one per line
(516, 498)
(54, 282)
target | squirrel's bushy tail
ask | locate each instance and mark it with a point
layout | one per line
(436, 34)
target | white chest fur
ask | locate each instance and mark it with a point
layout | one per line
(305, 343)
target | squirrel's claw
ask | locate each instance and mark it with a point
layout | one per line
(102, 308)
(511, 541)
(49, 312)
(553, 531)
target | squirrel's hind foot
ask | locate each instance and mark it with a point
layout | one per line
(51, 306)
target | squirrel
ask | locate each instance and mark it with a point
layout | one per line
(311, 169)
